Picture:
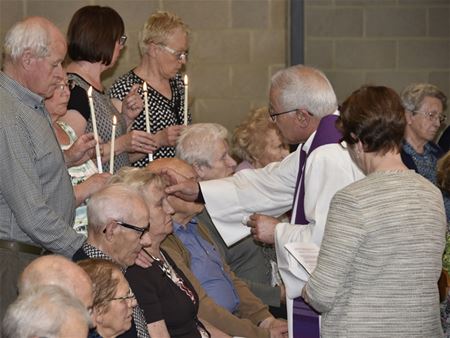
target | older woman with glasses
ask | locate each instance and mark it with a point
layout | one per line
(95, 39)
(113, 299)
(84, 175)
(164, 45)
(424, 109)
(381, 254)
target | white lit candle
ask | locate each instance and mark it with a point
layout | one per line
(186, 100)
(147, 115)
(113, 139)
(94, 127)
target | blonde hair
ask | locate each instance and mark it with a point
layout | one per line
(249, 138)
(158, 27)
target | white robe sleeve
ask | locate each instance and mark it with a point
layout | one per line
(269, 191)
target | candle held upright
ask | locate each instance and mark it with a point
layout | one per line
(113, 139)
(94, 128)
(147, 114)
(186, 89)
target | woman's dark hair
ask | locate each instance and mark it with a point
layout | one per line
(93, 33)
(375, 116)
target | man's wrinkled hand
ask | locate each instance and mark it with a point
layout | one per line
(181, 186)
(262, 227)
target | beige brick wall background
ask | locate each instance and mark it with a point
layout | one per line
(236, 45)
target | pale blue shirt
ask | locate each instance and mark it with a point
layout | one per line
(207, 266)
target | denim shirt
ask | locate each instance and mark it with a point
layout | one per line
(207, 266)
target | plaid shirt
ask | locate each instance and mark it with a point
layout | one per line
(36, 197)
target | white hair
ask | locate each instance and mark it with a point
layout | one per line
(41, 312)
(195, 144)
(25, 35)
(305, 87)
(114, 201)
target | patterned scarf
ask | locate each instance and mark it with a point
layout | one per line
(138, 315)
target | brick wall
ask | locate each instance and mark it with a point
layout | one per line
(236, 45)
(388, 42)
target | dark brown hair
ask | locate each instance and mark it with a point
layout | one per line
(105, 286)
(93, 33)
(443, 173)
(375, 116)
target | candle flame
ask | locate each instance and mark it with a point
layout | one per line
(144, 86)
(89, 92)
(114, 120)
(185, 79)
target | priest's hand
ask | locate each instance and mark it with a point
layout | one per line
(263, 227)
(180, 186)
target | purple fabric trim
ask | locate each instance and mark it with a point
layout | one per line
(326, 133)
(306, 320)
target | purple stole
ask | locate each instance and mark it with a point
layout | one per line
(305, 319)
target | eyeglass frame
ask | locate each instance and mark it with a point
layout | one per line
(432, 115)
(273, 117)
(130, 296)
(178, 55)
(142, 231)
(123, 40)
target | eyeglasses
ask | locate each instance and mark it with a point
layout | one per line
(180, 56)
(432, 116)
(123, 40)
(62, 86)
(130, 296)
(142, 231)
(273, 115)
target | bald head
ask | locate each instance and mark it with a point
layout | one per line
(59, 271)
(176, 164)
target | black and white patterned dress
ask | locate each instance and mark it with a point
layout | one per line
(163, 112)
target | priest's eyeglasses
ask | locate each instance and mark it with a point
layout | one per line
(273, 115)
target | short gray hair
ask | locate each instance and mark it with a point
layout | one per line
(115, 201)
(29, 34)
(41, 312)
(194, 143)
(413, 95)
(305, 87)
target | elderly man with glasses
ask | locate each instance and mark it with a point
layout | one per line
(117, 231)
(424, 106)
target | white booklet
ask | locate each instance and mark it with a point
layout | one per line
(305, 253)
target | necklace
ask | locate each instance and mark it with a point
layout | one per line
(165, 267)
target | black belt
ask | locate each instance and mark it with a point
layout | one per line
(22, 247)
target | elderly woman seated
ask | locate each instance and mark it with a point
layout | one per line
(113, 299)
(169, 301)
(424, 109)
(257, 141)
